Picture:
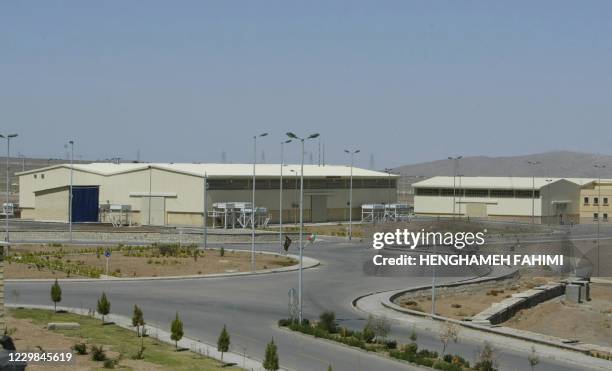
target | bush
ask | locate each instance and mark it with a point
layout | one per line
(424, 353)
(109, 363)
(98, 353)
(445, 366)
(412, 348)
(327, 322)
(222, 252)
(391, 344)
(80, 348)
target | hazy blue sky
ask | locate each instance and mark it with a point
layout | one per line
(408, 81)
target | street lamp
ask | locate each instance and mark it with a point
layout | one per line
(352, 154)
(293, 136)
(388, 171)
(533, 163)
(598, 167)
(549, 201)
(280, 210)
(8, 181)
(455, 161)
(253, 205)
(295, 195)
(70, 192)
(204, 214)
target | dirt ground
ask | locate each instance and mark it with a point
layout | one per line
(120, 265)
(467, 305)
(29, 337)
(590, 322)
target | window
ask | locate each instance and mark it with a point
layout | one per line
(35, 176)
(605, 217)
(595, 216)
(476, 193)
(586, 200)
(42, 176)
(595, 200)
(427, 192)
(526, 194)
(502, 193)
(605, 201)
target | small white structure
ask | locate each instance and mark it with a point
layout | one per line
(385, 212)
(237, 215)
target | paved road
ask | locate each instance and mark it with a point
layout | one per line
(250, 306)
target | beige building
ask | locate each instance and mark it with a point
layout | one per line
(521, 199)
(595, 199)
(172, 194)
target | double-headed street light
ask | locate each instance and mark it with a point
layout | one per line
(352, 154)
(8, 182)
(253, 209)
(293, 136)
(280, 210)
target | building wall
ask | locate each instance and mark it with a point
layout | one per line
(183, 195)
(52, 205)
(602, 192)
(503, 207)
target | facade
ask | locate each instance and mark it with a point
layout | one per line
(172, 194)
(595, 201)
(520, 199)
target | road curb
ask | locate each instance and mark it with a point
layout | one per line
(307, 264)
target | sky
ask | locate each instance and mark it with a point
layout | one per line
(402, 81)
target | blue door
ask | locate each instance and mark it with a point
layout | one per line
(85, 204)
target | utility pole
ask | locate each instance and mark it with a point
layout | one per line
(280, 209)
(70, 196)
(253, 208)
(204, 214)
(352, 154)
(455, 165)
(598, 167)
(8, 184)
(533, 163)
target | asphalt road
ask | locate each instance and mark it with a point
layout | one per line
(250, 307)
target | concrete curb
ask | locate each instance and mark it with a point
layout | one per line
(195, 346)
(307, 264)
(387, 298)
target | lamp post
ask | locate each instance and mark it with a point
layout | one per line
(455, 161)
(388, 171)
(293, 136)
(549, 201)
(352, 154)
(598, 167)
(253, 209)
(205, 211)
(533, 163)
(70, 192)
(280, 209)
(295, 195)
(8, 138)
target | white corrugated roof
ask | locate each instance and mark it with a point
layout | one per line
(222, 170)
(494, 182)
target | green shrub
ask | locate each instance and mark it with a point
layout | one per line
(80, 348)
(109, 363)
(98, 353)
(327, 322)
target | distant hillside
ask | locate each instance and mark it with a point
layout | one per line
(552, 164)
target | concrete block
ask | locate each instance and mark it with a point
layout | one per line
(63, 326)
(573, 293)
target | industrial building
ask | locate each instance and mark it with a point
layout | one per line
(173, 194)
(546, 200)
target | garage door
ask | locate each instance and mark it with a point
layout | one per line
(156, 214)
(318, 206)
(84, 204)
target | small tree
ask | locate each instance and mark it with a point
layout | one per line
(533, 359)
(382, 328)
(104, 306)
(368, 330)
(137, 319)
(270, 362)
(413, 334)
(176, 330)
(329, 368)
(327, 321)
(223, 342)
(486, 359)
(450, 332)
(56, 294)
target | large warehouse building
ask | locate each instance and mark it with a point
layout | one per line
(547, 200)
(172, 194)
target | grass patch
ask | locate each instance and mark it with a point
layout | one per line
(121, 340)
